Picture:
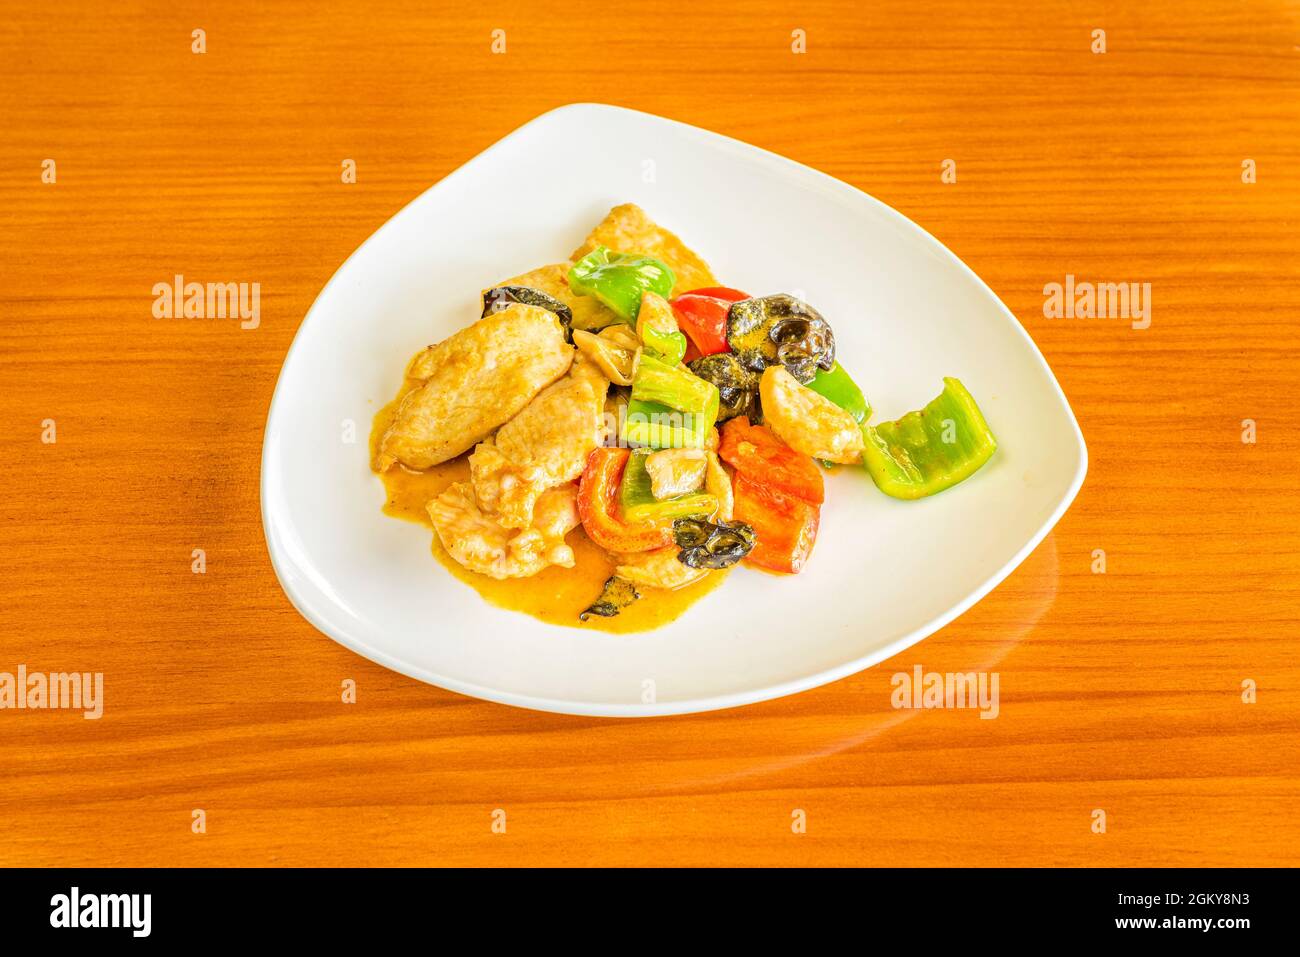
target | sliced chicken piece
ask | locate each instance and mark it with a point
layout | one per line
(473, 382)
(657, 569)
(588, 311)
(627, 229)
(484, 545)
(807, 421)
(545, 445)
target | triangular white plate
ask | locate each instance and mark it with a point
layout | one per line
(905, 312)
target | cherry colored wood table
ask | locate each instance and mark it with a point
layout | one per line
(1121, 691)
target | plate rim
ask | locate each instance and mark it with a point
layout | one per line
(806, 682)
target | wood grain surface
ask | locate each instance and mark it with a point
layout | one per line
(1120, 691)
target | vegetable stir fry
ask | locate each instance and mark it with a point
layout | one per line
(684, 426)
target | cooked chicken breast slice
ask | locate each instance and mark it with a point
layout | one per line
(588, 311)
(627, 229)
(482, 544)
(658, 568)
(473, 382)
(807, 421)
(545, 445)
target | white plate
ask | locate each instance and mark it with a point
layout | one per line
(905, 311)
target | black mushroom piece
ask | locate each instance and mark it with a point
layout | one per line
(617, 594)
(737, 386)
(706, 545)
(781, 328)
(500, 297)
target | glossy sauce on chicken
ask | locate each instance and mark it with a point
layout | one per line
(555, 595)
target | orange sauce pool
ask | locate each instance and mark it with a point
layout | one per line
(554, 595)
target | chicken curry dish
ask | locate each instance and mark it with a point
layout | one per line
(618, 430)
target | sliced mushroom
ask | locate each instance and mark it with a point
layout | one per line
(708, 545)
(617, 594)
(622, 336)
(610, 354)
(675, 472)
(500, 298)
(780, 329)
(737, 385)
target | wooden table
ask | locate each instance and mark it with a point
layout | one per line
(1120, 691)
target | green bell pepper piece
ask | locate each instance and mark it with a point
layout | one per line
(928, 451)
(670, 408)
(656, 327)
(638, 504)
(669, 346)
(661, 427)
(657, 381)
(620, 279)
(838, 386)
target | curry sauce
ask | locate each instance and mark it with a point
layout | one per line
(555, 595)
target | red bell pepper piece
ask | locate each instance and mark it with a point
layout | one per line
(786, 526)
(758, 455)
(702, 315)
(597, 504)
